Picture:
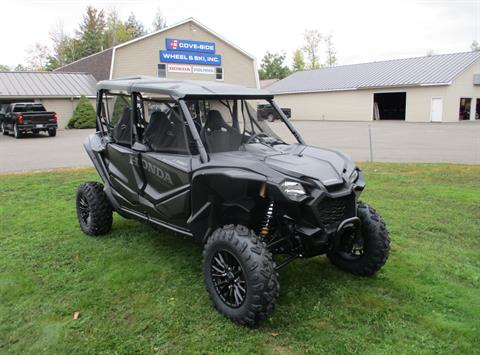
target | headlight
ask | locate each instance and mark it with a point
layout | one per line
(294, 190)
(353, 176)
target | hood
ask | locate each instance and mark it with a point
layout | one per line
(327, 166)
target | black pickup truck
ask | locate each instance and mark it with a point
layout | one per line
(27, 117)
(267, 112)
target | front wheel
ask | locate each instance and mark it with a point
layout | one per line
(366, 252)
(94, 211)
(240, 275)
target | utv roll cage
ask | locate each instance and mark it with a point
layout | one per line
(180, 92)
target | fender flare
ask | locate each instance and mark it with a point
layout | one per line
(203, 212)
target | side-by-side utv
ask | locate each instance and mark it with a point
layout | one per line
(194, 158)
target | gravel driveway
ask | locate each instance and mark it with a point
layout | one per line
(391, 141)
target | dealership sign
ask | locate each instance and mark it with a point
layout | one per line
(167, 56)
(182, 68)
(179, 68)
(203, 70)
(189, 46)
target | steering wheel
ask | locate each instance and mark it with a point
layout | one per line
(256, 136)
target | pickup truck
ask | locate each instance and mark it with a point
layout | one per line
(267, 112)
(28, 117)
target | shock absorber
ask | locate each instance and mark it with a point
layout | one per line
(265, 227)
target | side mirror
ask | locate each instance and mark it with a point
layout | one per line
(139, 147)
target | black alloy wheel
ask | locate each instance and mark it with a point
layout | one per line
(228, 278)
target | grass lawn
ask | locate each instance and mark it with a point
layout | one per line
(140, 291)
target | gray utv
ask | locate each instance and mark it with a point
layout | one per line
(193, 158)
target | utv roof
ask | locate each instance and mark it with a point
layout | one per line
(180, 89)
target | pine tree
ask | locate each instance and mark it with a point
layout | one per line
(91, 33)
(84, 115)
(298, 61)
(159, 21)
(134, 26)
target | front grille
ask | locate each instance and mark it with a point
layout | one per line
(333, 210)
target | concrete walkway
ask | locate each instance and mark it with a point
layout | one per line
(395, 141)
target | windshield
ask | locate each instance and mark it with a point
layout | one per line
(29, 108)
(229, 125)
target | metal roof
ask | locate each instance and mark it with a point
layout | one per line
(421, 71)
(46, 84)
(181, 88)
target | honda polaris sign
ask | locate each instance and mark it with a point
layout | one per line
(189, 46)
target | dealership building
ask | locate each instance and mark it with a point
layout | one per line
(437, 88)
(186, 50)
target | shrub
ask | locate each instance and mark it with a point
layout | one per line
(83, 116)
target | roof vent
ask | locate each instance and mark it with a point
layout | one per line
(476, 79)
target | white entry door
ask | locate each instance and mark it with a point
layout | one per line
(436, 110)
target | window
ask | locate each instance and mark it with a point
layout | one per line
(162, 70)
(219, 73)
(465, 107)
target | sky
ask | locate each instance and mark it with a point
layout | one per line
(362, 30)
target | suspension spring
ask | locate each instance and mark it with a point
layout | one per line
(265, 228)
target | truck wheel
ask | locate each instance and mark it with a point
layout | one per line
(94, 211)
(240, 275)
(52, 132)
(16, 133)
(364, 255)
(5, 132)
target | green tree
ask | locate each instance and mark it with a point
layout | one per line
(330, 52)
(116, 31)
(159, 21)
(83, 116)
(37, 58)
(91, 32)
(134, 26)
(20, 67)
(273, 66)
(4, 68)
(312, 40)
(65, 48)
(298, 61)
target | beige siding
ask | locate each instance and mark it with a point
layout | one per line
(142, 57)
(332, 106)
(63, 107)
(461, 87)
(357, 105)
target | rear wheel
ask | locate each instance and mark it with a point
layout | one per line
(52, 132)
(5, 132)
(94, 211)
(366, 252)
(240, 275)
(16, 133)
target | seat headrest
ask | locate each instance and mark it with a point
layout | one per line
(215, 120)
(157, 115)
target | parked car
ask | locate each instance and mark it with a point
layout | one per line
(27, 117)
(194, 159)
(268, 112)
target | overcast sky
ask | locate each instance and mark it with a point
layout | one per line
(362, 30)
